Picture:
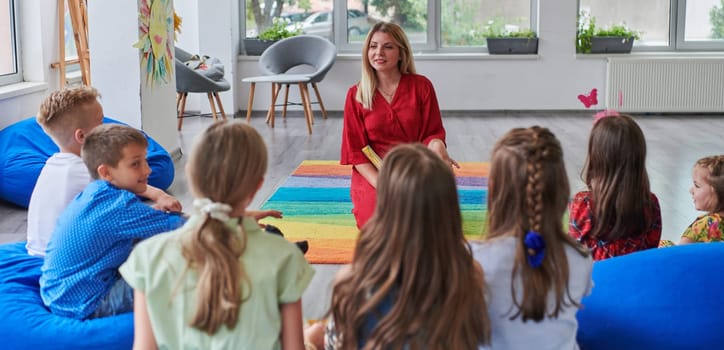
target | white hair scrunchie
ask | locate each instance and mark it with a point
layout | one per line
(219, 211)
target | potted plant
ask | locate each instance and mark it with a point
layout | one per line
(277, 31)
(616, 39)
(501, 41)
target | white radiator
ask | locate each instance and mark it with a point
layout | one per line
(665, 84)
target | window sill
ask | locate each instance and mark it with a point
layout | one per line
(427, 56)
(652, 54)
(19, 89)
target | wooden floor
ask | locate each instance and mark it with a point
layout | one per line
(675, 142)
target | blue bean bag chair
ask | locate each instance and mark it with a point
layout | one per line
(25, 323)
(666, 298)
(24, 148)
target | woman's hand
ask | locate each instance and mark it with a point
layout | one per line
(369, 172)
(437, 146)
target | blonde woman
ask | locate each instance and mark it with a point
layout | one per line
(391, 104)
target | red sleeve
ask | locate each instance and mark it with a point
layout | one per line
(354, 136)
(579, 216)
(432, 118)
(653, 235)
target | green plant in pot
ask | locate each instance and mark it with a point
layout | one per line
(279, 30)
(615, 39)
(502, 41)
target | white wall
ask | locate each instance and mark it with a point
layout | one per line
(115, 65)
(117, 72)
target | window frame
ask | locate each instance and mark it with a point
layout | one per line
(434, 26)
(677, 34)
(16, 77)
(679, 40)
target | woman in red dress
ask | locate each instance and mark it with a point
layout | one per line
(390, 105)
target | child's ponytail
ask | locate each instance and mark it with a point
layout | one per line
(213, 251)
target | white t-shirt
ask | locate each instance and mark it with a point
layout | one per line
(496, 257)
(63, 176)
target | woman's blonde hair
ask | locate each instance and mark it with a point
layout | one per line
(226, 166)
(413, 251)
(368, 82)
(715, 178)
(528, 191)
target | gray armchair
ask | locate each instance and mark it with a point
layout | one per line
(300, 60)
(189, 80)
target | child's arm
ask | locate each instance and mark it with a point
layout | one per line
(292, 335)
(260, 214)
(686, 240)
(144, 338)
(163, 201)
(314, 336)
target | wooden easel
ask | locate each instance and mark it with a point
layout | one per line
(78, 11)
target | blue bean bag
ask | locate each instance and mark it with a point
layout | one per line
(666, 298)
(24, 148)
(25, 323)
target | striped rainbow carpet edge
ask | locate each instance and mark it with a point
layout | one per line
(317, 207)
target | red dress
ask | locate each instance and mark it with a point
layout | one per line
(581, 223)
(412, 116)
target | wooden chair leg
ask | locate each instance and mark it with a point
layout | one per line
(213, 108)
(250, 103)
(305, 104)
(319, 99)
(286, 100)
(308, 100)
(275, 93)
(218, 103)
(182, 109)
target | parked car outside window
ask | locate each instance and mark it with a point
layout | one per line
(320, 23)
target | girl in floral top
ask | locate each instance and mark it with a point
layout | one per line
(707, 193)
(618, 214)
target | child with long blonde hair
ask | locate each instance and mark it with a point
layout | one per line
(707, 192)
(618, 214)
(219, 282)
(413, 282)
(535, 273)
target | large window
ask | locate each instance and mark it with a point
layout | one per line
(9, 51)
(664, 24)
(431, 25)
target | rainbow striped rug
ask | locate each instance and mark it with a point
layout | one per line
(317, 207)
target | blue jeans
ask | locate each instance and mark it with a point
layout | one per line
(118, 300)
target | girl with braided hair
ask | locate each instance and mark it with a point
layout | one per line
(708, 195)
(219, 281)
(535, 273)
(617, 214)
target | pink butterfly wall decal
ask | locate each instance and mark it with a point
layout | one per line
(589, 100)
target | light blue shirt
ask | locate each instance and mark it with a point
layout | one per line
(92, 238)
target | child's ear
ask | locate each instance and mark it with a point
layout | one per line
(79, 136)
(104, 173)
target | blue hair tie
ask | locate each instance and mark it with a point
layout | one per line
(535, 248)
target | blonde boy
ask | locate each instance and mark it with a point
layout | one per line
(96, 232)
(67, 116)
